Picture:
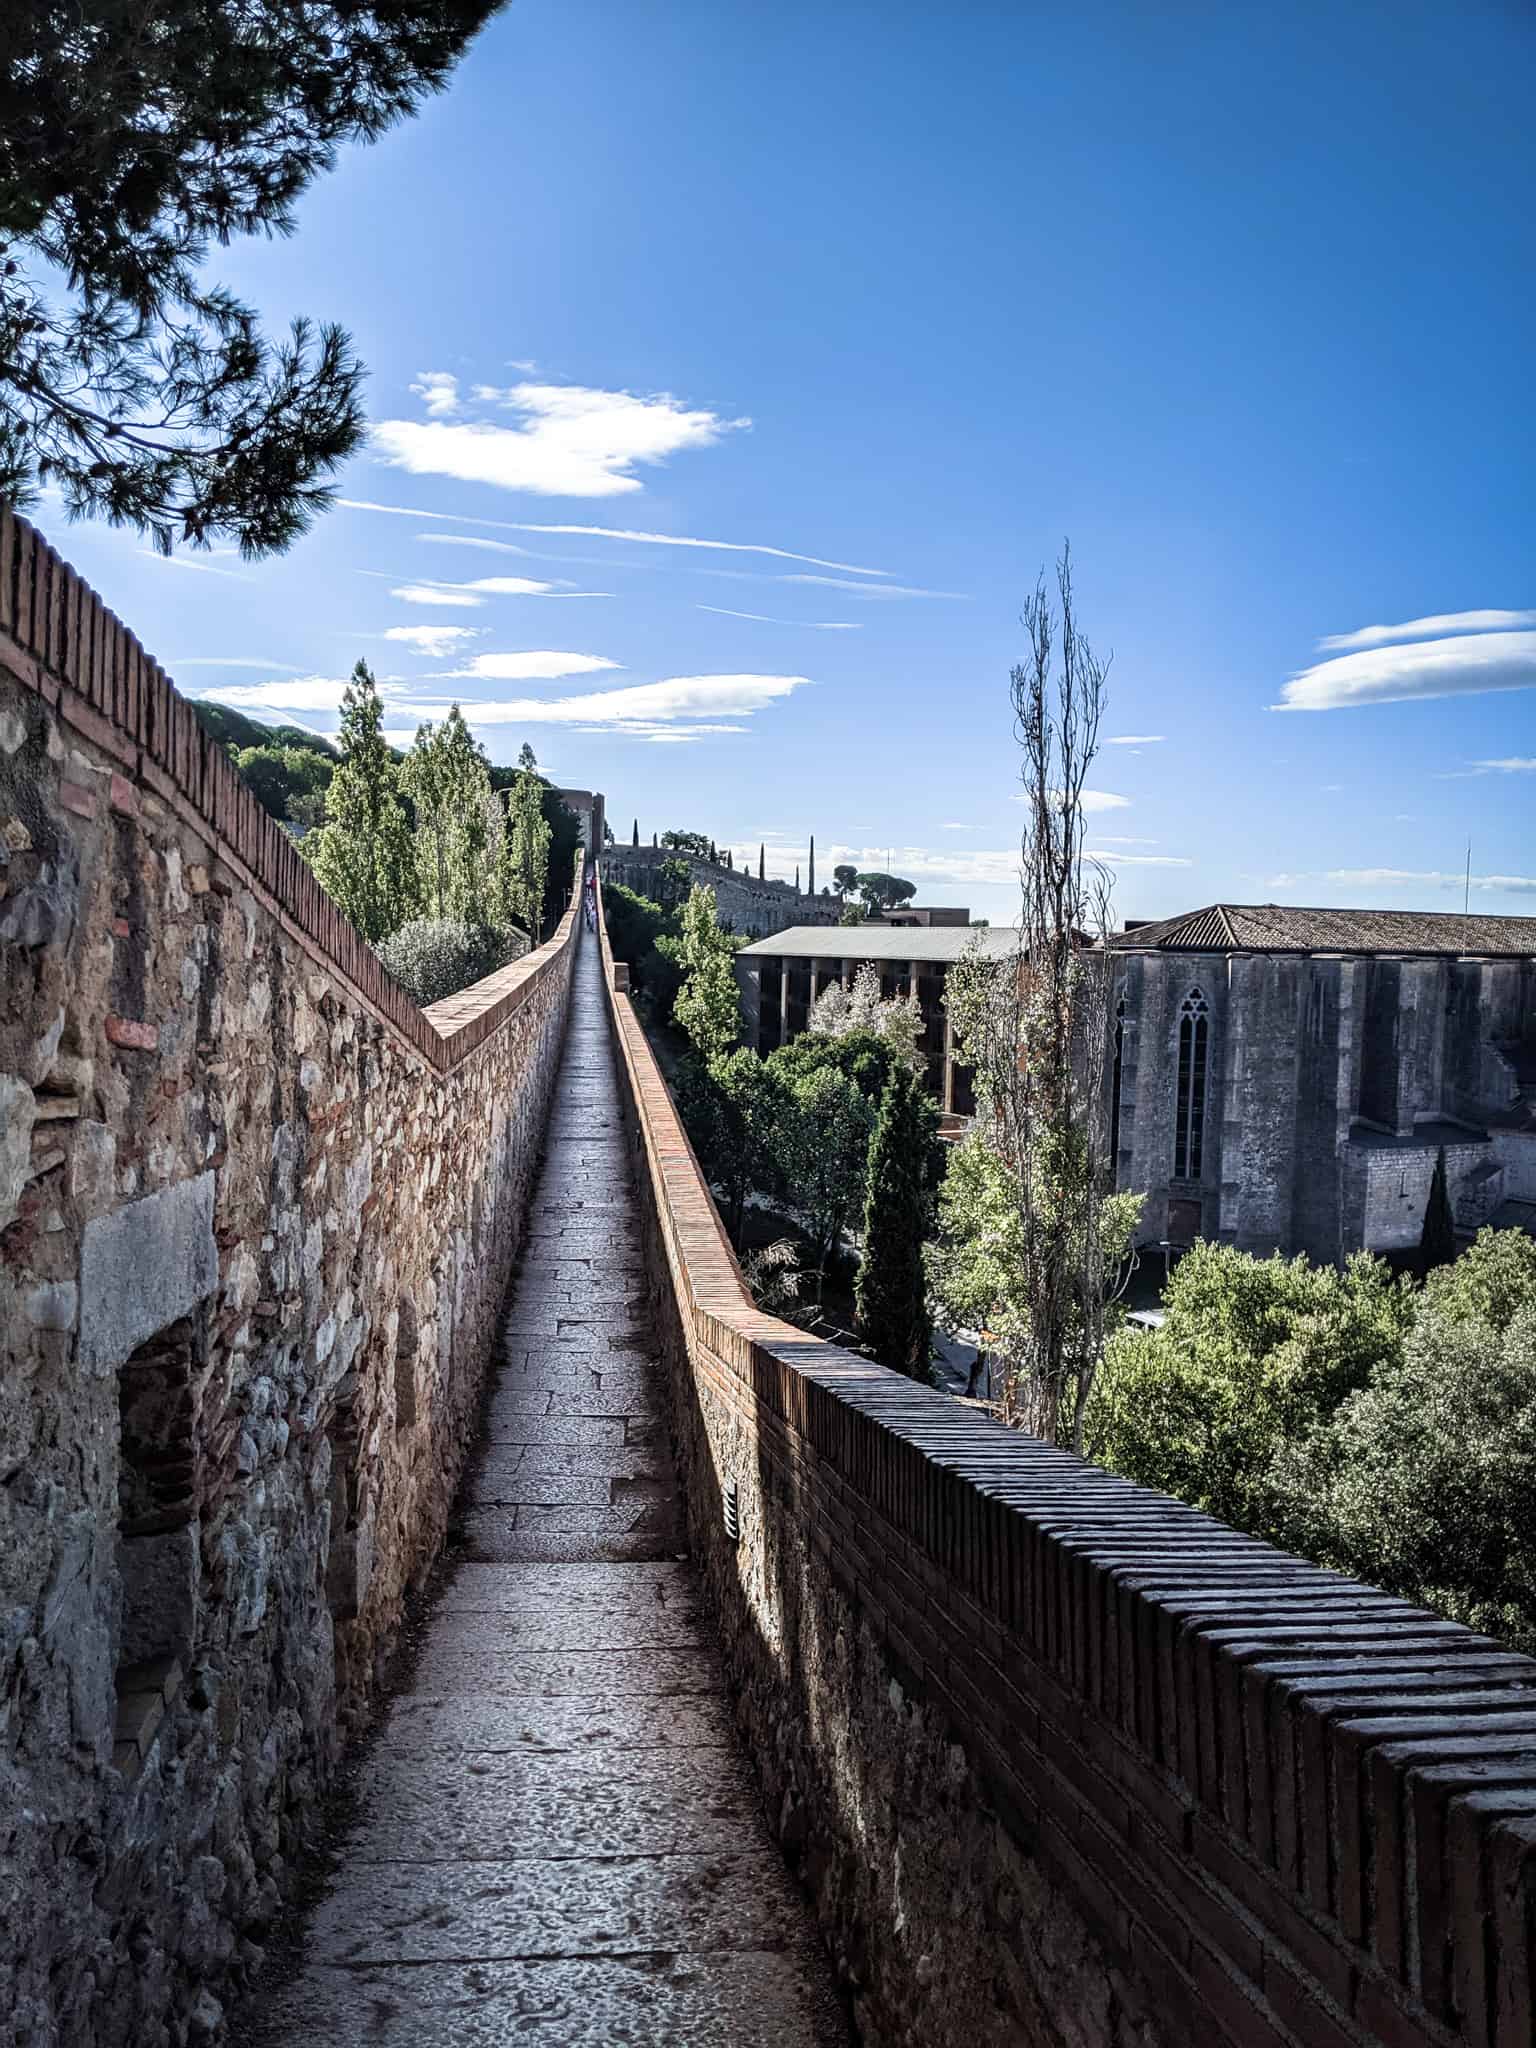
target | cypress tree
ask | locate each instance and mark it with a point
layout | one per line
(810, 885)
(636, 840)
(1437, 1241)
(762, 870)
(892, 1295)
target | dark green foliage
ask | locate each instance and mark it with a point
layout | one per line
(433, 958)
(735, 1112)
(564, 838)
(635, 923)
(276, 776)
(131, 138)
(1424, 1482)
(892, 1295)
(1437, 1241)
(696, 843)
(1492, 1281)
(863, 1058)
(881, 891)
(234, 730)
(1253, 1353)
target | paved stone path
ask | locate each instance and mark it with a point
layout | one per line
(558, 1838)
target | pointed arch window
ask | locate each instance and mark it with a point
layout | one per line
(1189, 1112)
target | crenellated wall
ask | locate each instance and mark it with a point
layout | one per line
(1063, 1763)
(256, 1211)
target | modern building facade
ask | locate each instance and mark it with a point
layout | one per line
(1283, 1079)
(780, 978)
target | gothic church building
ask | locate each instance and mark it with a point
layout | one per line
(1283, 1079)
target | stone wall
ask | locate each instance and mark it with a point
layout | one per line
(742, 902)
(1064, 1763)
(257, 1209)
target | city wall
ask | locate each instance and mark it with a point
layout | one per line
(256, 1211)
(1062, 1762)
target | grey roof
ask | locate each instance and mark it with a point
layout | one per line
(1286, 928)
(882, 942)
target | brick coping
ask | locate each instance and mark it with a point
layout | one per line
(61, 641)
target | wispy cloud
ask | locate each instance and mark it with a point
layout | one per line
(1512, 764)
(660, 540)
(1437, 627)
(470, 540)
(431, 591)
(434, 640)
(1428, 878)
(572, 441)
(1136, 739)
(234, 661)
(868, 589)
(186, 562)
(762, 619)
(1092, 800)
(284, 693)
(1463, 665)
(992, 867)
(640, 710)
(543, 664)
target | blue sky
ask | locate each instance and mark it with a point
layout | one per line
(1241, 300)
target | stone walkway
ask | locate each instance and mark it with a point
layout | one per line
(558, 1838)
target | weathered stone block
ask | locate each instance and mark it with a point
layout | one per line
(143, 1268)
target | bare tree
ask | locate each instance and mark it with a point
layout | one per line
(1035, 1025)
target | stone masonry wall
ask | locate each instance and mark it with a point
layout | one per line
(742, 902)
(1062, 1762)
(255, 1212)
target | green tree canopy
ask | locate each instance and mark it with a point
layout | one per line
(881, 891)
(524, 870)
(447, 778)
(845, 879)
(362, 853)
(696, 843)
(131, 138)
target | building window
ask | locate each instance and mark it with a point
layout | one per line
(1189, 1115)
(1114, 1093)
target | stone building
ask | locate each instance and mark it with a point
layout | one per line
(780, 978)
(742, 902)
(1283, 1079)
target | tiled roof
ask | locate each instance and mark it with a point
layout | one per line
(883, 942)
(1286, 928)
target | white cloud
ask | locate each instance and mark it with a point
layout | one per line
(1512, 764)
(448, 594)
(435, 640)
(538, 664)
(470, 540)
(234, 661)
(1434, 628)
(762, 619)
(574, 441)
(1136, 739)
(1426, 668)
(640, 707)
(438, 392)
(295, 693)
(1092, 800)
(868, 589)
(1114, 858)
(662, 540)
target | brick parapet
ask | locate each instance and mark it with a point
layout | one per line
(1283, 1806)
(59, 639)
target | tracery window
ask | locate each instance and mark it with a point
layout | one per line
(1189, 1108)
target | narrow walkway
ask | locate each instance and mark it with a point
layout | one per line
(559, 1840)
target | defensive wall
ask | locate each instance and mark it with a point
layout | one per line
(742, 902)
(1061, 1760)
(256, 1211)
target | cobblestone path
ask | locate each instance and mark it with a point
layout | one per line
(558, 1837)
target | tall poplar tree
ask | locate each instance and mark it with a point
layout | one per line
(526, 861)
(362, 854)
(447, 777)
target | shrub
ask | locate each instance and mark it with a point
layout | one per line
(432, 957)
(1252, 1352)
(1424, 1482)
